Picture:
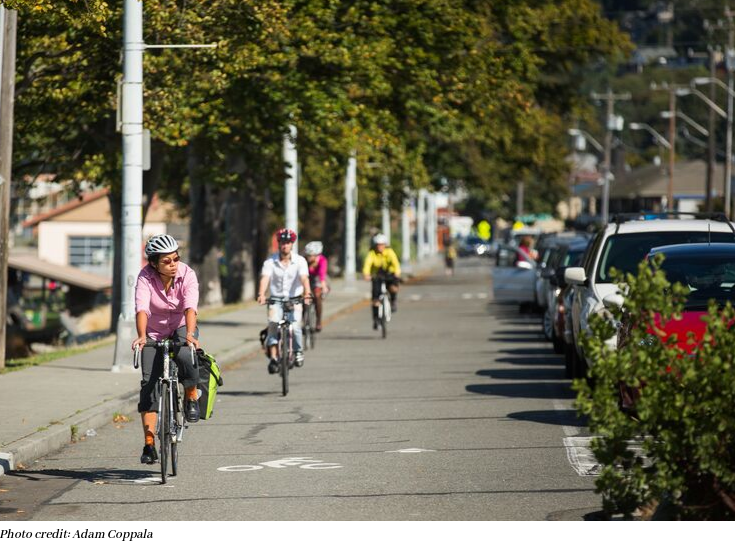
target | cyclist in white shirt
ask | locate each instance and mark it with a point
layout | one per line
(287, 274)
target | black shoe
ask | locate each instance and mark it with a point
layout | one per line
(298, 359)
(375, 324)
(273, 366)
(150, 455)
(192, 411)
(393, 307)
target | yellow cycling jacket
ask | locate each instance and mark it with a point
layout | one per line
(387, 261)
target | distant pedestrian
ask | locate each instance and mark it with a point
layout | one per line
(450, 256)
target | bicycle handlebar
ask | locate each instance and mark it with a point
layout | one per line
(295, 299)
(159, 344)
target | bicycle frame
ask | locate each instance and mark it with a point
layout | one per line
(285, 337)
(170, 424)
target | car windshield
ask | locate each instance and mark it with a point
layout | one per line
(573, 258)
(707, 277)
(625, 251)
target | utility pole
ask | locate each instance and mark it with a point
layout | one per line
(132, 176)
(520, 197)
(672, 150)
(406, 232)
(421, 225)
(729, 63)
(350, 222)
(611, 123)
(291, 159)
(8, 26)
(711, 157)
(385, 210)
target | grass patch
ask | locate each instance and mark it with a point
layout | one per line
(42, 358)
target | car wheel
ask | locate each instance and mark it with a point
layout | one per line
(548, 325)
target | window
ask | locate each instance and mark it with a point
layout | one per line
(93, 254)
(624, 252)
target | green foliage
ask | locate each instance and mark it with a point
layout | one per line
(89, 12)
(678, 443)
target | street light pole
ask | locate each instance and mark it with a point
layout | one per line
(132, 182)
(421, 224)
(610, 123)
(350, 222)
(385, 210)
(291, 159)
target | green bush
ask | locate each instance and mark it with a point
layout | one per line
(677, 448)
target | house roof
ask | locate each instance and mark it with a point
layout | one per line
(66, 207)
(653, 181)
(91, 207)
(66, 274)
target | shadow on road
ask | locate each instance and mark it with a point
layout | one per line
(551, 360)
(529, 351)
(244, 393)
(564, 418)
(92, 475)
(524, 390)
(535, 374)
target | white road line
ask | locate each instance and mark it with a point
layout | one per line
(415, 297)
(579, 454)
(411, 450)
(482, 295)
(466, 296)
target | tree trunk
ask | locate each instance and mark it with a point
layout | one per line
(333, 238)
(204, 230)
(240, 242)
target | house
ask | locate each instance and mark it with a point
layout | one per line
(79, 233)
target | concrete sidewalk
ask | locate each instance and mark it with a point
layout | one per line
(48, 406)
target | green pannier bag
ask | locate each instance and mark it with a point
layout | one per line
(210, 379)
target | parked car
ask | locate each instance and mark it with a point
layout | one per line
(472, 245)
(515, 282)
(568, 253)
(708, 270)
(622, 244)
(552, 252)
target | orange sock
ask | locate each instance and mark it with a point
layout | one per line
(191, 393)
(149, 419)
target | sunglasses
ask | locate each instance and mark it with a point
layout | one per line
(169, 261)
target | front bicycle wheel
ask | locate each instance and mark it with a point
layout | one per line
(384, 317)
(285, 356)
(312, 326)
(164, 430)
(176, 417)
(308, 333)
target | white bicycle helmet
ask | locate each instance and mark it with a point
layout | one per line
(380, 239)
(314, 248)
(161, 244)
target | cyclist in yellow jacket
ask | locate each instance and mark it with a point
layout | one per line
(382, 264)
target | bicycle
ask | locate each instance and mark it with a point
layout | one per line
(286, 353)
(384, 311)
(309, 326)
(171, 423)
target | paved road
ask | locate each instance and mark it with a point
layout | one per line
(461, 413)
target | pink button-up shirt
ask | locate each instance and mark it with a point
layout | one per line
(165, 310)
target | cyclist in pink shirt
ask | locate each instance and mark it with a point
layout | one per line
(166, 300)
(317, 277)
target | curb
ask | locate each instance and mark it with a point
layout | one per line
(27, 450)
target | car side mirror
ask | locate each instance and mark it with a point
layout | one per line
(613, 301)
(575, 275)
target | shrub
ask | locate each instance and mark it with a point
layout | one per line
(678, 445)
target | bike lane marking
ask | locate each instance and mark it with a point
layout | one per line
(307, 463)
(412, 450)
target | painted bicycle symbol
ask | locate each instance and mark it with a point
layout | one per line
(306, 463)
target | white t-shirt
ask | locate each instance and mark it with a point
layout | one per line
(285, 281)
